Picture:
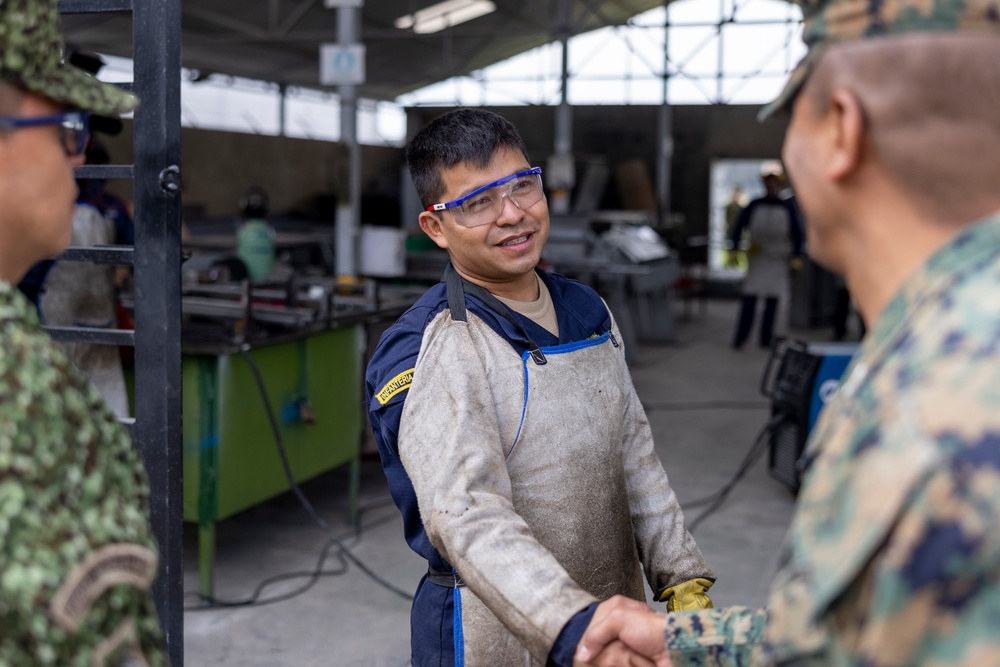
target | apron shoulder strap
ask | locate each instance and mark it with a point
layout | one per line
(457, 287)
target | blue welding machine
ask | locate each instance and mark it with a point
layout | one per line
(807, 377)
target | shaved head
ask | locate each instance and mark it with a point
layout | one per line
(930, 104)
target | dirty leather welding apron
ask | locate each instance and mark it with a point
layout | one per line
(536, 479)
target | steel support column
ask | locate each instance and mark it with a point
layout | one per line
(665, 128)
(561, 171)
(156, 36)
(348, 212)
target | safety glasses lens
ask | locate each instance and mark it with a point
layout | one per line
(486, 207)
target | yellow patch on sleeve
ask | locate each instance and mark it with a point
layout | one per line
(397, 384)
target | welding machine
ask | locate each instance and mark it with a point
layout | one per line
(807, 377)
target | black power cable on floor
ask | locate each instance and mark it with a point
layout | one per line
(343, 552)
(254, 600)
(715, 500)
(213, 603)
(297, 490)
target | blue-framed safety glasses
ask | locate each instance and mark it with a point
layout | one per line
(74, 128)
(483, 205)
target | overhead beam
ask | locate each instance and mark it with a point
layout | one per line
(368, 36)
(223, 21)
(296, 16)
(593, 8)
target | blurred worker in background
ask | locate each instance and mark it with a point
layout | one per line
(77, 555)
(735, 256)
(510, 433)
(893, 556)
(95, 192)
(84, 294)
(255, 237)
(775, 231)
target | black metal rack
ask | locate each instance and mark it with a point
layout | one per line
(156, 257)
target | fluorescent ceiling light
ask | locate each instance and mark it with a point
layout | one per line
(444, 15)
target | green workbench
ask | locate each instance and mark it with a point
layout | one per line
(231, 460)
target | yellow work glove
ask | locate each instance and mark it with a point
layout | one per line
(690, 595)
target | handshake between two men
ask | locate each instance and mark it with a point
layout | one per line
(623, 633)
(627, 633)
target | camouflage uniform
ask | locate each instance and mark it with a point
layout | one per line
(77, 556)
(76, 553)
(893, 555)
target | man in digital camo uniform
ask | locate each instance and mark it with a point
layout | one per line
(893, 555)
(76, 552)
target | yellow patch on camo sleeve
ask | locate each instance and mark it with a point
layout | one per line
(397, 384)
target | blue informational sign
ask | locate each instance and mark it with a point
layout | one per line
(341, 64)
(834, 360)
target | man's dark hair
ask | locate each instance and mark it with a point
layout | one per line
(462, 136)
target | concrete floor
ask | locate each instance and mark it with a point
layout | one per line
(703, 403)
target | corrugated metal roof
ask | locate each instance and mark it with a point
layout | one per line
(278, 40)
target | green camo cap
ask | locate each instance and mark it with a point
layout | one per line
(835, 21)
(31, 52)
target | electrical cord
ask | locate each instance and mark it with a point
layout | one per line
(344, 553)
(297, 490)
(716, 499)
(752, 454)
(254, 600)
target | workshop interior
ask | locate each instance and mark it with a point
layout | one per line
(276, 237)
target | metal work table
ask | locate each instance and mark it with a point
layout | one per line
(231, 456)
(308, 363)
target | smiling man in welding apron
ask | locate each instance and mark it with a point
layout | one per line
(509, 429)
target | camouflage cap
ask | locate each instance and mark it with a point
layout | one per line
(31, 52)
(830, 22)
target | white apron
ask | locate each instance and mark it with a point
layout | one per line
(539, 483)
(770, 244)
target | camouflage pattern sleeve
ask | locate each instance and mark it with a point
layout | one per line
(893, 555)
(77, 556)
(729, 637)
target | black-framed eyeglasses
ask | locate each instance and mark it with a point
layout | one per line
(74, 128)
(483, 205)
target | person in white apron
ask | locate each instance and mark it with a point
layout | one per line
(775, 232)
(511, 435)
(82, 294)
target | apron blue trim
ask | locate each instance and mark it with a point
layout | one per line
(459, 638)
(571, 347)
(554, 349)
(524, 406)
